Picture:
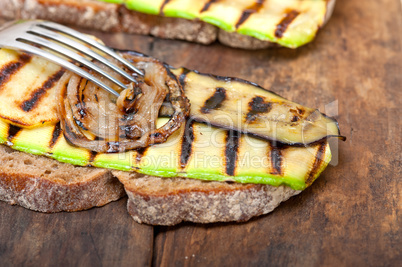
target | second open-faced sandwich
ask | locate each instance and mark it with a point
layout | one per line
(248, 24)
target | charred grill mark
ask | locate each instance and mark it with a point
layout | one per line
(55, 135)
(80, 124)
(80, 105)
(300, 111)
(12, 132)
(295, 118)
(187, 143)
(36, 95)
(208, 5)
(285, 22)
(80, 97)
(254, 8)
(140, 153)
(99, 138)
(82, 92)
(165, 2)
(231, 151)
(257, 105)
(276, 159)
(297, 113)
(92, 156)
(319, 157)
(170, 73)
(78, 90)
(68, 132)
(214, 101)
(182, 78)
(7, 71)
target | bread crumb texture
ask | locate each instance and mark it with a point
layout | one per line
(161, 201)
(43, 184)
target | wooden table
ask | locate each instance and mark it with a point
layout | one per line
(351, 216)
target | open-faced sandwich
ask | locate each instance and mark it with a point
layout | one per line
(249, 24)
(183, 145)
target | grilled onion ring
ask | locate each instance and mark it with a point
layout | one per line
(91, 119)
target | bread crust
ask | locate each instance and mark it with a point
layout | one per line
(173, 200)
(26, 180)
(237, 40)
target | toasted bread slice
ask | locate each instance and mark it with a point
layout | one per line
(169, 201)
(46, 185)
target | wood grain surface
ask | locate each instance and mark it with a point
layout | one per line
(351, 216)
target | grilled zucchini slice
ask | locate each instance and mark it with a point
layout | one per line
(290, 23)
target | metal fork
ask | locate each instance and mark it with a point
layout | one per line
(33, 35)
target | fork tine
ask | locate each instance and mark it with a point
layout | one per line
(86, 39)
(80, 48)
(68, 65)
(68, 53)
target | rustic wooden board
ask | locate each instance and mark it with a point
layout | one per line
(349, 217)
(98, 237)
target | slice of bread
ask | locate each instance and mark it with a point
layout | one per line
(46, 185)
(169, 201)
(104, 16)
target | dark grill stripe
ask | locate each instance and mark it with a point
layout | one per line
(12, 132)
(182, 78)
(255, 106)
(82, 111)
(276, 159)
(163, 6)
(187, 143)
(248, 11)
(140, 153)
(92, 156)
(231, 151)
(208, 5)
(7, 71)
(82, 92)
(55, 135)
(38, 93)
(317, 162)
(215, 101)
(285, 22)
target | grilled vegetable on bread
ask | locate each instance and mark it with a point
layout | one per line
(128, 122)
(246, 24)
(29, 123)
(195, 150)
